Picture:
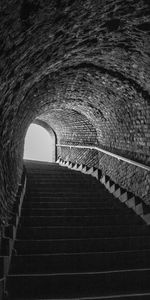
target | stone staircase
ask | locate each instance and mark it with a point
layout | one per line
(76, 241)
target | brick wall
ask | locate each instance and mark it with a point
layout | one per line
(71, 127)
(132, 178)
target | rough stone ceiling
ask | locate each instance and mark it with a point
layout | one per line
(89, 56)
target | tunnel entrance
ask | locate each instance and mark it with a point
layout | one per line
(40, 144)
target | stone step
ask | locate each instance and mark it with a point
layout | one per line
(73, 212)
(67, 192)
(66, 182)
(56, 173)
(70, 285)
(59, 175)
(64, 186)
(80, 220)
(52, 203)
(80, 262)
(68, 196)
(73, 199)
(58, 232)
(81, 245)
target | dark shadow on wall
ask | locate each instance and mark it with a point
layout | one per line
(28, 9)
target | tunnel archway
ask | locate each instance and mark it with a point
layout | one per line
(40, 143)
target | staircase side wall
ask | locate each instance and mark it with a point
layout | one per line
(134, 179)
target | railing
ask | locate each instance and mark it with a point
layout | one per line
(9, 233)
(132, 162)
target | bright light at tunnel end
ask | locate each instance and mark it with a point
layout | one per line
(37, 144)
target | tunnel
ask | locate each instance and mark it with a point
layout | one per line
(80, 69)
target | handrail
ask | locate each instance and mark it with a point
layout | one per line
(132, 162)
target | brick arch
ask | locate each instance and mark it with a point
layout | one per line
(71, 127)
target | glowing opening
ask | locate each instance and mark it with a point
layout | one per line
(38, 144)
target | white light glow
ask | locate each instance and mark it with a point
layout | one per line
(37, 144)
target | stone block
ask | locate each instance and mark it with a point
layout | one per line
(146, 218)
(131, 202)
(90, 171)
(95, 174)
(103, 179)
(117, 192)
(139, 209)
(123, 197)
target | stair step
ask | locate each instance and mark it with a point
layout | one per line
(62, 177)
(57, 232)
(65, 181)
(140, 296)
(84, 284)
(69, 193)
(80, 220)
(56, 204)
(81, 245)
(59, 174)
(108, 202)
(65, 187)
(80, 262)
(51, 184)
(72, 212)
(65, 197)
